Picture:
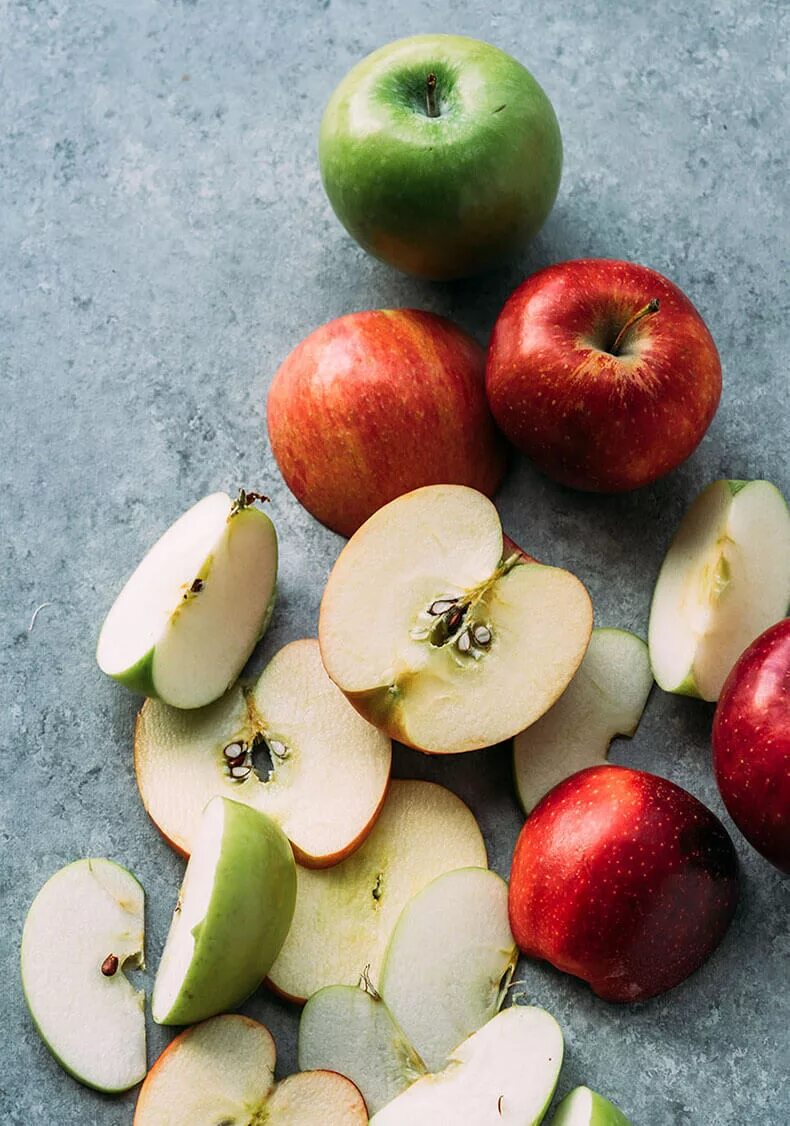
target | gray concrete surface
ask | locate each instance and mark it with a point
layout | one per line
(165, 241)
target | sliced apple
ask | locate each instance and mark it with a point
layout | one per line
(233, 913)
(438, 638)
(506, 1072)
(330, 768)
(583, 1107)
(606, 698)
(310, 1097)
(724, 580)
(345, 915)
(186, 621)
(84, 926)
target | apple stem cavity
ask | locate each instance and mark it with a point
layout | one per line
(109, 966)
(646, 311)
(431, 105)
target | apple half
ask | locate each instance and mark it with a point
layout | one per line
(438, 637)
(233, 913)
(84, 926)
(583, 1107)
(606, 698)
(345, 915)
(724, 580)
(330, 768)
(221, 1072)
(186, 621)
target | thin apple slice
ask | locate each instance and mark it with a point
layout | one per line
(606, 698)
(233, 913)
(506, 1072)
(583, 1107)
(186, 621)
(437, 638)
(312, 1097)
(330, 768)
(345, 915)
(84, 926)
(724, 580)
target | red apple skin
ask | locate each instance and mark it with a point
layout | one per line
(751, 744)
(587, 418)
(378, 403)
(623, 879)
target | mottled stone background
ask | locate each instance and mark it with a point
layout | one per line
(164, 241)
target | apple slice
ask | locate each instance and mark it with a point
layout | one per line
(724, 580)
(606, 698)
(506, 1072)
(436, 637)
(330, 768)
(345, 915)
(310, 1097)
(186, 621)
(233, 913)
(583, 1107)
(84, 926)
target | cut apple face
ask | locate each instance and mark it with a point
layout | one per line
(606, 698)
(233, 913)
(186, 621)
(438, 638)
(724, 580)
(83, 928)
(583, 1107)
(330, 768)
(345, 915)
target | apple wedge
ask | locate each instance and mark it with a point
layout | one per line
(186, 621)
(221, 1073)
(84, 926)
(345, 915)
(233, 913)
(724, 580)
(606, 698)
(506, 1072)
(330, 768)
(583, 1107)
(439, 638)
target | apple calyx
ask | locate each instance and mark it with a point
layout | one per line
(246, 500)
(652, 307)
(431, 107)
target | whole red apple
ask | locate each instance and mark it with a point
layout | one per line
(624, 880)
(603, 373)
(378, 403)
(751, 744)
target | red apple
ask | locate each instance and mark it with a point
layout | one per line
(624, 880)
(378, 403)
(751, 744)
(603, 373)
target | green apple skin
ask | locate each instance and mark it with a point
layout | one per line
(583, 1107)
(441, 196)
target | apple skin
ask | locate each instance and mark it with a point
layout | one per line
(751, 744)
(585, 417)
(440, 196)
(376, 404)
(623, 879)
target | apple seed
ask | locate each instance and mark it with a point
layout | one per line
(240, 771)
(464, 642)
(277, 748)
(441, 606)
(482, 636)
(233, 751)
(110, 965)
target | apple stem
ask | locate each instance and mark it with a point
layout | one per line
(245, 499)
(430, 96)
(651, 307)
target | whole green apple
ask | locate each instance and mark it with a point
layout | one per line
(441, 155)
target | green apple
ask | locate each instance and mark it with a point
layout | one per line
(583, 1107)
(233, 913)
(440, 155)
(84, 926)
(186, 621)
(724, 580)
(606, 698)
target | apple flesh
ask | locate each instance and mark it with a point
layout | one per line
(83, 928)
(437, 638)
(330, 769)
(623, 879)
(751, 744)
(179, 630)
(606, 698)
(603, 373)
(378, 403)
(725, 579)
(583, 1107)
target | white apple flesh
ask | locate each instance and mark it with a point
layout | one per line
(583, 1107)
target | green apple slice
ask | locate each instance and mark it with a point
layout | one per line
(436, 637)
(345, 915)
(84, 926)
(724, 580)
(186, 621)
(233, 913)
(606, 698)
(312, 1097)
(506, 1072)
(330, 768)
(583, 1107)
